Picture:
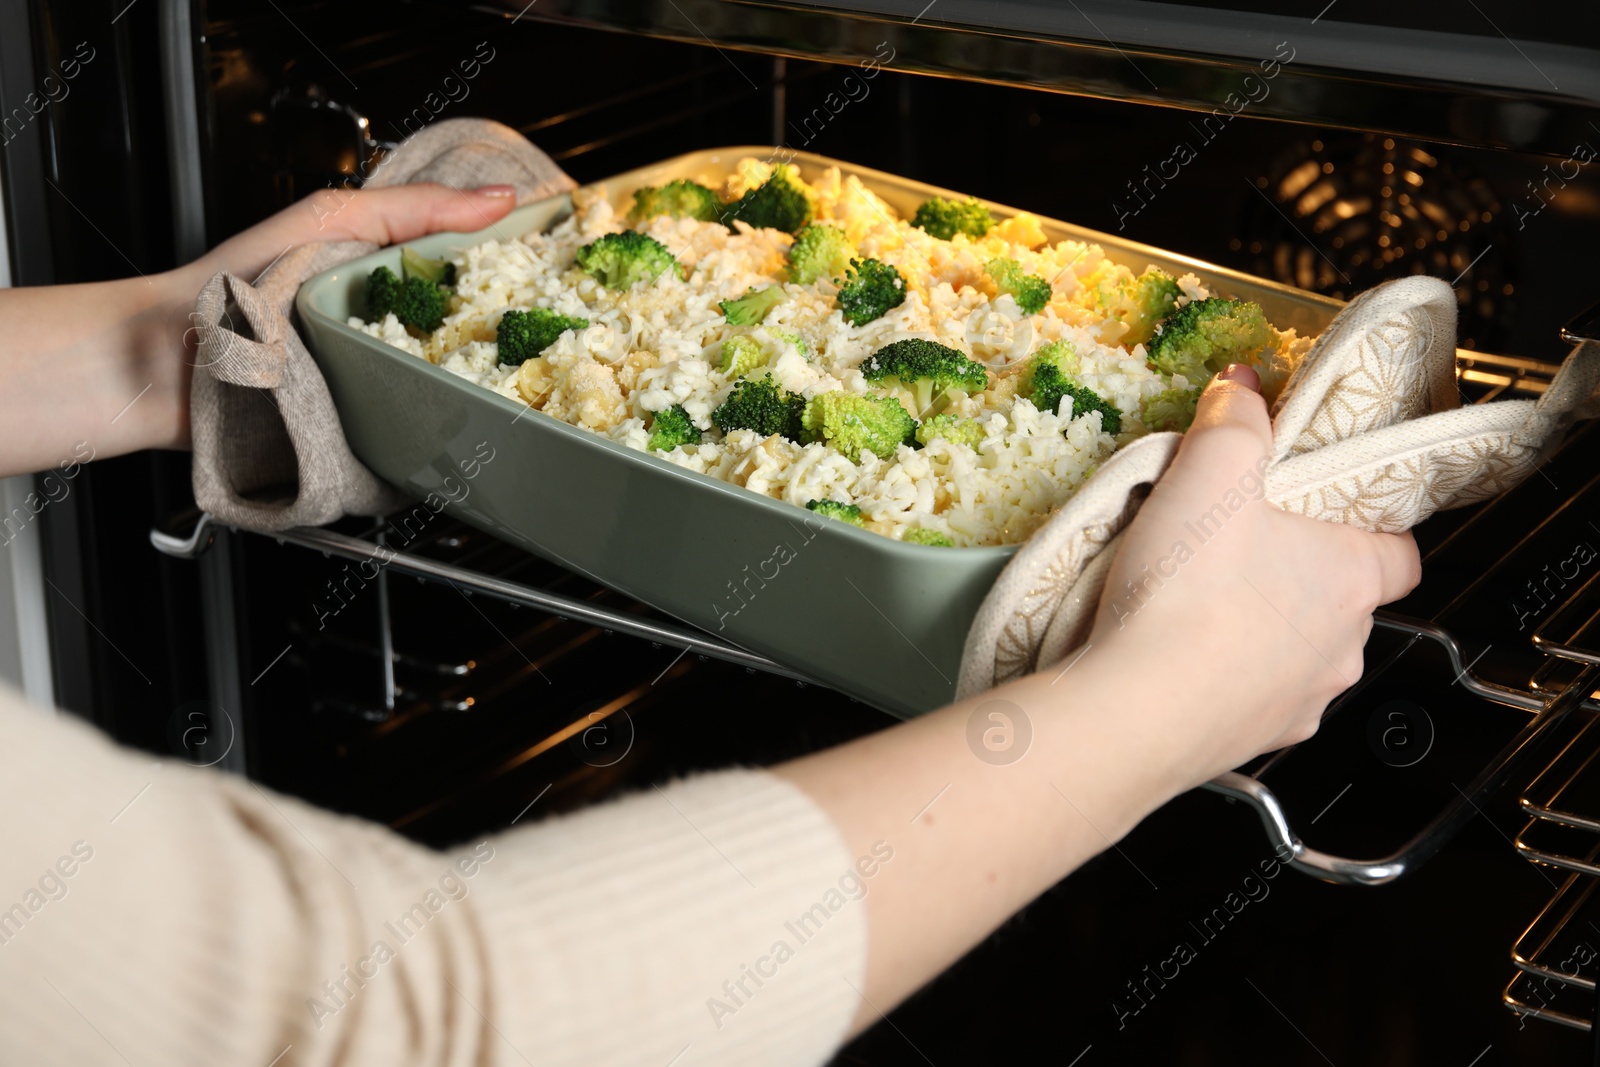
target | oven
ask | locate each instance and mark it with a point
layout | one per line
(1450, 805)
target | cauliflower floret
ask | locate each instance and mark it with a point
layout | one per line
(851, 205)
(792, 371)
(1192, 289)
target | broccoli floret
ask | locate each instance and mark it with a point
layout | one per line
(421, 304)
(758, 404)
(617, 260)
(752, 307)
(522, 335)
(1048, 377)
(835, 510)
(855, 423)
(1058, 360)
(921, 535)
(740, 356)
(383, 289)
(1204, 336)
(1030, 291)
(952, 428)
(672, 428)
(1050, 385)
(414, 264)
(946, 218)
(792, 337)
(868, 290)
(926, 371)
(819, 252)
(416, 296)
(1085, 400)
(1170, 409)
(780, 203)
(1151, 297)
(682, 199)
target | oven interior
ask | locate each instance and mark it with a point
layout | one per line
(448, 703)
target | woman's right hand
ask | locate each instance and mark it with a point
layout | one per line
(1250, 619)
(1254, 620)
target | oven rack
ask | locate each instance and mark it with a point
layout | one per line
(1557, 808)
(362, 549)
(1499, 374)
(1547, 711)
(1537, 974)
(1556, 805)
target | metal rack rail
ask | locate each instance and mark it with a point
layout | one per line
(1563, 833)
(1549, 712)
(1539, 981)
(344, 546)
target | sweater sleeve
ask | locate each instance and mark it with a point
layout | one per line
(154, 913)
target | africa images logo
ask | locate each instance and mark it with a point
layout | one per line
(999, 732)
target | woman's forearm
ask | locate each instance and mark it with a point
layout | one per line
(100, 366)
(986, 804)
(103, 368)
(1096, 743)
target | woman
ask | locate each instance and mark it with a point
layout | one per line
(156, 914)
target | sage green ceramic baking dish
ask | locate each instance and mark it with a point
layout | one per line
(879, 619)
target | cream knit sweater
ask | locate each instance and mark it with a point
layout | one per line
(152, 914)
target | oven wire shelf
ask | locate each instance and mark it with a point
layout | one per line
(1538, 980)
(1563, 830)
(1546, 710)
(359, 549)
(1558, 809)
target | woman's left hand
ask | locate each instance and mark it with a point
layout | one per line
(382, 216)
(104, 368)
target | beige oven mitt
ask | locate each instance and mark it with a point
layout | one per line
(1369, 430)
(269, 450)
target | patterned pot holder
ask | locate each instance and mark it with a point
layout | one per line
(1369, 430)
